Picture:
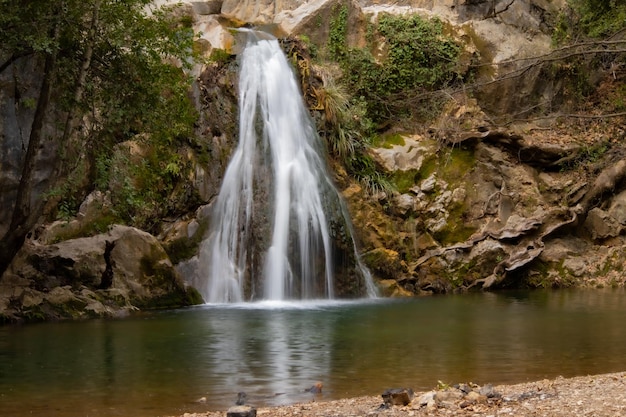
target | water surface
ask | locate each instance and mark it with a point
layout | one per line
(161, 363)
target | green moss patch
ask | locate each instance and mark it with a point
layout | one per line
(388, 141)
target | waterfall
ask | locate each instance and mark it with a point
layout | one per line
(270, 235)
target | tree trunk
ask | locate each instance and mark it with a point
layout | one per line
(74, 151)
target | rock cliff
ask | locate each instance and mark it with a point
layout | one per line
(504, 187)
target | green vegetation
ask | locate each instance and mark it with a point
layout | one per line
(338, 31)
(110, 71)
(364, 169)
(590, 19)
(387, 141)
(403, 181)
(550, 275)
(417, 59)
(220, 56)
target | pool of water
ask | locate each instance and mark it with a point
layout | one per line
(162, 363)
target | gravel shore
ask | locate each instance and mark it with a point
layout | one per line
(594, 396)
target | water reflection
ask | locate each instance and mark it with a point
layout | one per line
(161, 363)
(270, 354)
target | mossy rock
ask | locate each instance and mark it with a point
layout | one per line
(385, 263)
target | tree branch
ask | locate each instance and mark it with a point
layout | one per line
(13, 58)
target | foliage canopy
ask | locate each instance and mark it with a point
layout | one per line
(119, 70)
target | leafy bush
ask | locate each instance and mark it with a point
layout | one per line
(590, 18)
(417, 58)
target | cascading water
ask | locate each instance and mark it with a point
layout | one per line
(269, 218)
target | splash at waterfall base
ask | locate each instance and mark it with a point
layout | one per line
(279, 229)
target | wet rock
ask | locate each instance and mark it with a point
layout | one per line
(398, 396)
(484, 257)
(316, 388)
(576, 266)
(241, 398)
(392, 288)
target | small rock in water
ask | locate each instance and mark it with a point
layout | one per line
(398, 396)
(241, 398)
(316, 388)
(241, 411)
(201, 400)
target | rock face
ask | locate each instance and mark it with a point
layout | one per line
(105, 275)
(18, 97)
(475, 206)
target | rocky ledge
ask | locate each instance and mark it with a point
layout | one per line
(598, 396)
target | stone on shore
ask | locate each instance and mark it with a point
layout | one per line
(241, 411)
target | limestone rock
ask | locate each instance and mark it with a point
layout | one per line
(404, 204)
(66, 279)
(313, 18)
(391, 288)
(601, 225)
(207, 7)
(484, 257)
(241, 411)
(211, 30)
(409, 156)
(617, 210)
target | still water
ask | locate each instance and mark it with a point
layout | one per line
(160, 363)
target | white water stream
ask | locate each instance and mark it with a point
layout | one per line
(279, 159)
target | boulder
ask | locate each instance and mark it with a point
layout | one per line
(617, 210)
(121, 270)
(398, 396)
(404, 204)
(601, 225)
(212, 31)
